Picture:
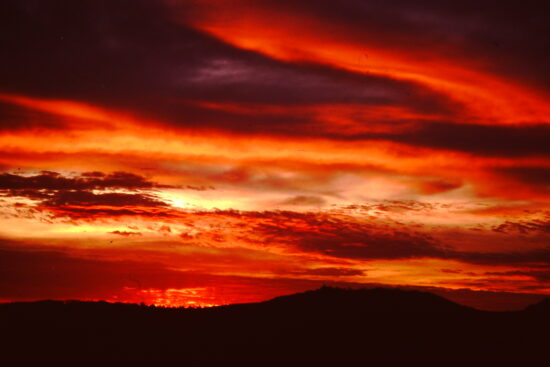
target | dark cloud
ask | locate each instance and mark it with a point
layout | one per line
(89, 199)
(129, 207)
(535, 257)
(344, 238)
(335, 272)
(48, 180)
(438, 186)
(535, 226)
(349, 238)
(334, 234)
(481, 139)
(542, 276)
(485, 140)
(488, 140)
(126, 233)
(253, 79)
(85, 196)
(536, 176)
(100, 52)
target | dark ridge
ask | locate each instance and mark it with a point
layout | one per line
(542, 306)
(327, 326)
(335, 300)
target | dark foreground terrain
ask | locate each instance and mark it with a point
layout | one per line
(329, 326)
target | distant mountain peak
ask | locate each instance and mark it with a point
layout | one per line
(358, 301)
(542, 306)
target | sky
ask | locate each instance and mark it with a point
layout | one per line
(208, 152)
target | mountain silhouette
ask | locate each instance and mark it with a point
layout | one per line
(327, 326)
(343, 302)
(542, 306)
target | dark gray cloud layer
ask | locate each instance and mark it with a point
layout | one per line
(88, 189)
(132, 55)
(100, 51)
(48, 180)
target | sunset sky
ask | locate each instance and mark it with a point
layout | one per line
(206, 152)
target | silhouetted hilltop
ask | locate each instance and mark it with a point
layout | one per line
(360, 301)
(323, 302)
(542, 306)
(326, 302)
(328, 326)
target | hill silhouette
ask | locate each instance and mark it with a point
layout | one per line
(328, 326)
(344, 302)
(542, 306)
